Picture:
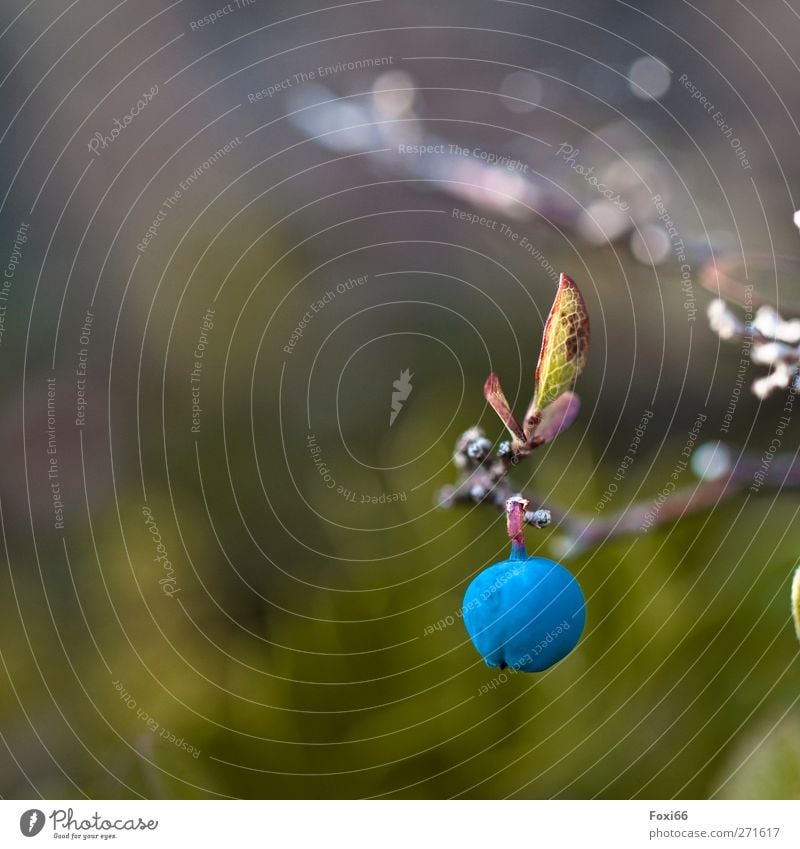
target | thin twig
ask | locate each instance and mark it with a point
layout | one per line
(490, 484)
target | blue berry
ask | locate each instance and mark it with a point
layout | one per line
(526, 613)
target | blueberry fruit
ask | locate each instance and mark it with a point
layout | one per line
(526, 613)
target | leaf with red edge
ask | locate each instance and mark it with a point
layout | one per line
(565, 346)
(493, 392)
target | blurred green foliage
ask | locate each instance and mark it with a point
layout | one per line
(333, 685)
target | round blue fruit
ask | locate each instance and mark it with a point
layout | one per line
(525, 613)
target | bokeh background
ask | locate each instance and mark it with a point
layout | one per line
(299, 635)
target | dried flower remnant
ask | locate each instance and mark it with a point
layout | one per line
(770, 339)
(773, 342)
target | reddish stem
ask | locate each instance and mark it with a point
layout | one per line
(516, 507)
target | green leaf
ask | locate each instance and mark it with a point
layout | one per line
(565, 346)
